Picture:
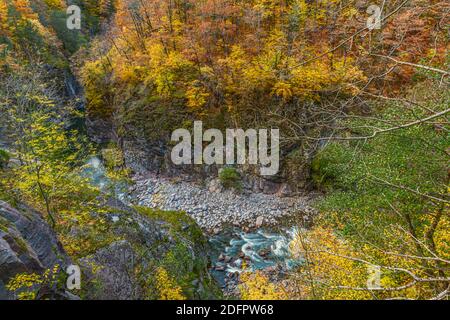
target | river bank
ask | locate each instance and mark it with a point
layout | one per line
(215, 209)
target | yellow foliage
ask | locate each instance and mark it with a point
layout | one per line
(329, 265)
(4, 28)
(442, 237)
(24, 8)
(283, 90)
(167, 287)
(178, 56)
(24, 280)
(92, 75)
(26, 285)
(333, 266)
(257, 286)
(165, 70)
(196, 96)
(55, 4)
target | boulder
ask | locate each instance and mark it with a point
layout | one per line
(115, 273)
(259, 222)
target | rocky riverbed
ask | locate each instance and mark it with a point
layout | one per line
(214, 208)
(242, 227)
(246, 228)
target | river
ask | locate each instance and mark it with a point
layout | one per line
(232, 250)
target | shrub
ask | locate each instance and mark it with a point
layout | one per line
(4, 158)
(230, 178)
(167, 287)
(257, 286)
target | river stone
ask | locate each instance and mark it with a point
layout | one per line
(216, 210)
(259, 221)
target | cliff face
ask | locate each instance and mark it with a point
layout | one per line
(27, 245)
(142, 241)
(145, 241)
(144, 154)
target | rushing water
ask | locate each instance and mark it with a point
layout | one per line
(253, 251)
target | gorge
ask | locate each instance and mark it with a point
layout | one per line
(324, 166)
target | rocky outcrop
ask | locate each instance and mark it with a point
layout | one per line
(144, 157)
(27, 245)
(143, 241)
(147, 240)
(99, 130)
(115, 274)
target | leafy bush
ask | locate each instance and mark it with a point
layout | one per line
(95, 81)
(326, 167)
(257, 286)
(167, 287)
(4, 158)
(230, 178)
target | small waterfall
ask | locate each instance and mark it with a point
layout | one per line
(72, 86)
(95, 171)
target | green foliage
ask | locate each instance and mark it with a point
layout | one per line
(410, 157)
(385, 205)
(94, 12)
(4, 224)
(413, 158)
(52, 156)
(97, 90)
(183, 264)
(6, 194)
(180, 223)
(113, 157)
(165, 63)
(114, 162)
(230, 178)
(37, 30)
(327, 166)
(4, 158)
(27, 37)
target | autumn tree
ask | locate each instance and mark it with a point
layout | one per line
(49, 176)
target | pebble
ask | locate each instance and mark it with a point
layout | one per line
(215, 210)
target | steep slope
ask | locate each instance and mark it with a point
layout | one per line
(27, 245)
